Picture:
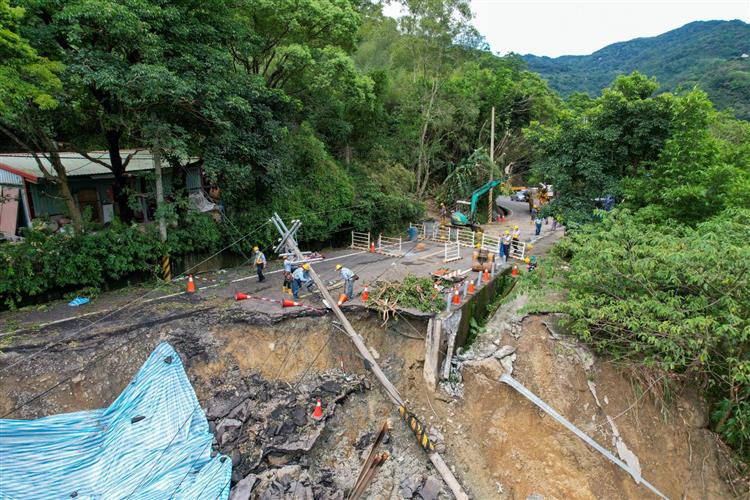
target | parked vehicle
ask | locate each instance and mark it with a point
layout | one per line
(518, 196)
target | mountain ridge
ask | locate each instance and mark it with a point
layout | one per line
(704, 53)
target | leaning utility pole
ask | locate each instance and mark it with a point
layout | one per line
(492, 164)
(287, 241)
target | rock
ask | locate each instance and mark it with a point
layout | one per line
(408, 486)
(435, 435)
(330, 386)
(430, 489)
(244, 488)
(299, 417)
(228, 424)
(507, 364)
(504, 351)
(236, 457)
(489, 367)
(535, 496)
(242, 411)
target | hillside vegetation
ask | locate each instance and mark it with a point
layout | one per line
(703, 53)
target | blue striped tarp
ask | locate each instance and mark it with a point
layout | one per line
(152, 442)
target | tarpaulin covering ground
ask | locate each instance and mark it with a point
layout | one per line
(153, 442)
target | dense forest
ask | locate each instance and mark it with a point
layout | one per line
(331, 112)
(704, 53)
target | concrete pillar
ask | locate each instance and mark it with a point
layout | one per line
(432, 353)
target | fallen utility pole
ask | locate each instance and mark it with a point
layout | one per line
(287, 239)
(515, 384)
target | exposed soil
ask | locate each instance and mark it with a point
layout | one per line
(500, 445)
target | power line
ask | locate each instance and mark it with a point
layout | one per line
(126, 305)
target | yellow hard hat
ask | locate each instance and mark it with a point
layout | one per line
(515, 227)
(306, 267)
(338, 266)
(527, 260)
(507, 232)
(255, 248)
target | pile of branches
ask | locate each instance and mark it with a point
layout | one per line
(413, 292)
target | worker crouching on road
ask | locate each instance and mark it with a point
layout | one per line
(260, 263)
(287, 286)
(301, 277)
(531, 262)
(348, 276)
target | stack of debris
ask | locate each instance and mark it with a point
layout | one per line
(267, 428)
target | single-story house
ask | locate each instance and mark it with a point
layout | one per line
(25, 194)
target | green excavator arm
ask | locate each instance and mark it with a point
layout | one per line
(460, 219)
(480, 192)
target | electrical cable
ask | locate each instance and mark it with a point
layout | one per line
(126, 305)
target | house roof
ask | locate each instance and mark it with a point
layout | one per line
(24, 164)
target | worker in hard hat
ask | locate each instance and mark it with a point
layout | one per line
(260, 263)
(538, 224)
(287, 286)
(348, 276)
(506, 246)
(531, 262)
(516, 233)
(300, 277)
(443, 214)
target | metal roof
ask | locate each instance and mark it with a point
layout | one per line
(25, 165)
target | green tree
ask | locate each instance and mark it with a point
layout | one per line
(29, 87)
(673, 298)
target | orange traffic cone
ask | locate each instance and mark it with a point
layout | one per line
(502, 218)
(486, 276)
(191, 284)
(372, 247)
(289, 303)
(472, 288)
(515, 271)
(456, 298)
(240, 296)
(318, 412)
(342, 298)
(365, 294)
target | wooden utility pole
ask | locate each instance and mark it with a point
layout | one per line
(492, 165)
(370, 363)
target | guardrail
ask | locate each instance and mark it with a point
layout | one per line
(389, 246)
(452, 251)
(490, 243)
(465, 238)
(517, 249)
(361, 241)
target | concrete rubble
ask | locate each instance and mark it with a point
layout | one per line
(267, 429)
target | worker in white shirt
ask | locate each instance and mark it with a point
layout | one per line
(348, 276)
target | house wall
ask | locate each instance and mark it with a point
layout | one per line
(47, 200)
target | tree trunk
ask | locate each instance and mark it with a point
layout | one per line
(70, 204)
(120, 185)
(62, 180)
(41, 138)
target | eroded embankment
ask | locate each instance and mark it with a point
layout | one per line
(258, 384)
(258, 380)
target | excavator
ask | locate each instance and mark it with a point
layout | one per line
(461, 219)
